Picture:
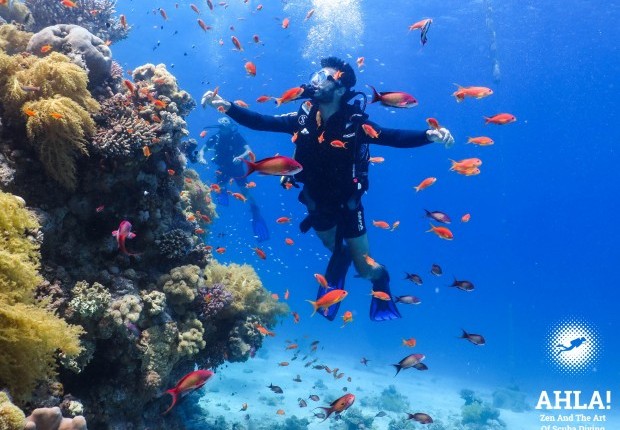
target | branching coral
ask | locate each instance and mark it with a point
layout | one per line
(30, 336)
(174, 244)
(13, 40)
(90, 301)
(58, 130)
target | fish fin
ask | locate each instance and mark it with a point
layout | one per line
(115, 233)
(251, 167)
(174, 395)
(314, 306)
(375, 95)
(131, 235)
(398, 367)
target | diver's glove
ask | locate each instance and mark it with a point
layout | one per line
(442, 135)
(287, 182)
(214, 100)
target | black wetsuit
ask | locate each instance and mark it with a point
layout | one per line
(334, 178)
(227, 147)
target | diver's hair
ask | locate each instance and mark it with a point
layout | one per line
(348, 79)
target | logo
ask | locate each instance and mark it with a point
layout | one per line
(302, 119)
(573, 346)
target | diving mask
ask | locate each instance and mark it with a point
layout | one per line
(318, 78)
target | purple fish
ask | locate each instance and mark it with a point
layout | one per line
(438, 216)
(476, 339)
(407, 300)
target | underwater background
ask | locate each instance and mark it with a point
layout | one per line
(540, 247)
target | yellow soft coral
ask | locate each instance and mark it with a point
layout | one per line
(12, 39)
(58, 130)
(30, 336)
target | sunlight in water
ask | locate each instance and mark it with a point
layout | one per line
(338, 27)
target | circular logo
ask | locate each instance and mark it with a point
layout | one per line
(302, 119)
(573, 346)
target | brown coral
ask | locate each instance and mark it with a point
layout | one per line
(12, 39)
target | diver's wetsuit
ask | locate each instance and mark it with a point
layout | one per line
(227, 147)
(334, 178)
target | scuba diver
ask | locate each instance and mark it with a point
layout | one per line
(332, 140)
(575, 343)
(230, 149)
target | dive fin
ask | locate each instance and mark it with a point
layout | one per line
(335, 275)
(383, 310)
(259, 226)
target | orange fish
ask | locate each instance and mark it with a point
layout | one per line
(433, 123)
(146, 151)
(425, 184)
(171, 172)
(380, 295)
(294, 137)
(476, 92)
(220, 250)
(188, 383)
(318, 119)
(68, 3)
(420, 24)
(261, 254)
(330, 298)
(56, 115)
(287, 294)
(465, 164)
(398, 99)
(263, 99)
(199, 231)
(262, 330)
(442, 232)
(295, 317)
(203, 133)
(123, 21)
(481, 140)
(381, 224)
(370, 131)
(256, 39)
(129, 85)
(275, 296)
(321, 138)
(46, 48)
(409, 342)
(289, 241)
(321, 280)
(216, 188)
(339, 405)
(280, 412)
(241, 104)
(236, 42)
(239, 196)
(283, 220)
(259, 7)
(285, 23)
(250, 68)
(465, 218)
(163, 14)
(500, 119)
(376, 160)
(370, 261)
(202, 25)
(29, 112)
(360, 62)
(292, 346)
(347, 317)
(289, 95)
(338, 144)
(395, 225)
(250, 184)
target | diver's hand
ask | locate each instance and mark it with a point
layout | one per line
(288, 181)
(442, 135)
(214, 100)
(237, 160)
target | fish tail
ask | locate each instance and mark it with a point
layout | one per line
(432, 228)
(465, 335)
(174, 394)
(417, 189)
(328, 412)
(398, 367)
(454, 163)
(314, 306)
(251, 167)
(487, 120)
(278, 101)
(375, 95)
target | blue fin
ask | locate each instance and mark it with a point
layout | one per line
(259, 226)
(335, 275)
(383, 310)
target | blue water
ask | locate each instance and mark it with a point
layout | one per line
(541, 244)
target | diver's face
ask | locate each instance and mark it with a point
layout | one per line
(325, 86)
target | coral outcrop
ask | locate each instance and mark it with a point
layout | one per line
(82, 47)
(30, 335)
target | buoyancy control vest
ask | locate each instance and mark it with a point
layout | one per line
(332, 175)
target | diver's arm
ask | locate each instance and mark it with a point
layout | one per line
(246, 152)
(398, 138)
(256, 121)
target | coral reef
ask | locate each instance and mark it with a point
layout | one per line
(477, 414)
(82, 47)
(18, 13)
(52, 419)
(11, 417)
(30, 336)
(510, 398)
(97, 16)
(13, 40)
